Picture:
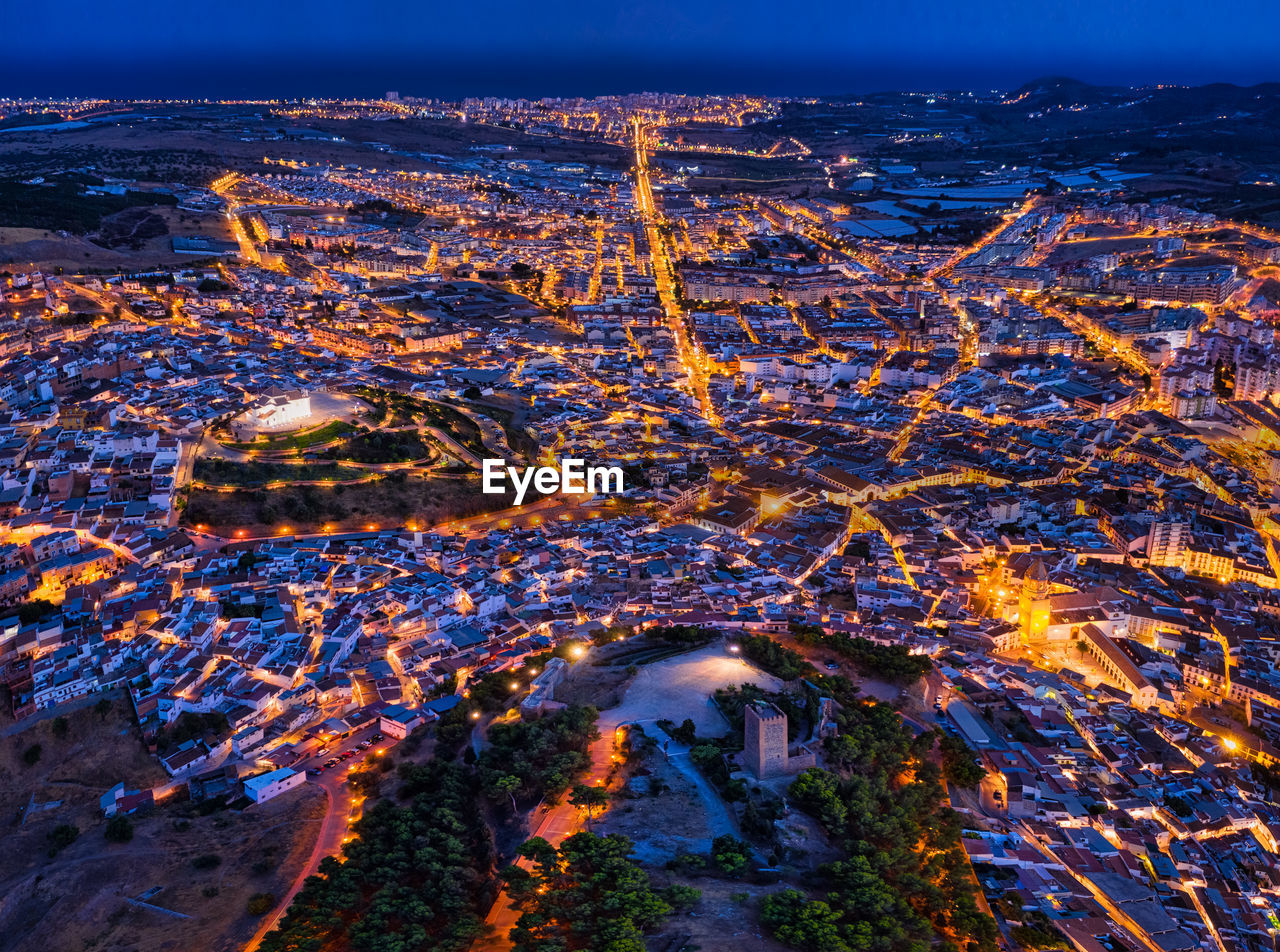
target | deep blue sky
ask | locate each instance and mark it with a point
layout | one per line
(446, 48)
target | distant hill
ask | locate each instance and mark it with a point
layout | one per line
(1052, 91)
(1064, 90)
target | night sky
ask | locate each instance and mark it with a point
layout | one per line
(571, 47)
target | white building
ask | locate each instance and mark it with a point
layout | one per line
(281, 411)
(263, 787)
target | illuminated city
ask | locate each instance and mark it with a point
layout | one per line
(841, 522)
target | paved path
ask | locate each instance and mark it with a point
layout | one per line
(555, 825)
(332, 829)
(343, 806)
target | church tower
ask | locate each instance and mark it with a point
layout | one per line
(1033, 603)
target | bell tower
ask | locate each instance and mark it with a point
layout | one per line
(1033, 603)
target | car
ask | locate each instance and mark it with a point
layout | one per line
(366, 745)
(375, 738)
(832, 666)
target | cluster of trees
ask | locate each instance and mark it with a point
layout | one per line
(298, 504)
(690, 636)
(686, 732)
(731, 855)
(777, 659)
(397, 408)
(61, 836)
(494, 691)
(255, 472)
(33, 610)
(63, 206)
(132, 227)
(892, 663)
(733, 702)
(960, 764)
(587, 896)
(415, 878)
(76, 319)
(191, 725)
(1038, 933)
(382, 446)
(544, 756)
(903, 882)
(119, 829)
(374, 205)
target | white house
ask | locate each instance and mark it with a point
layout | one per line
(263, 787)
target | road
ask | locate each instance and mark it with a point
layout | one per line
(663, 271)
(343, 809)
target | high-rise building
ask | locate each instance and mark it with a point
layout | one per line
(1167, 543)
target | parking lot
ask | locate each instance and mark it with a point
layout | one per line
(345, 751)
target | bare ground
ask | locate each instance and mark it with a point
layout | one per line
(79, 898)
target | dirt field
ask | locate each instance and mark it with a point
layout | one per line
(665, 826)
(79, 899)
(47, 250)
(601, 686)
(384, 504)
(76, 769)
(674, 823)
(681, 687)
(727, 918)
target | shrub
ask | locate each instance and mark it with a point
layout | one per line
(62, 836)
(261, 903)
(731, 855)
(119, 829)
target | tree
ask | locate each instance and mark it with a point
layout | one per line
(803, 923)
(31, 756)
(590, 799)
(508, 784)
(412, 877)
(60, 727)
(102, 708)
(588, 895)
(119, 829)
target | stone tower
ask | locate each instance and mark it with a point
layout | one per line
(765, 750)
